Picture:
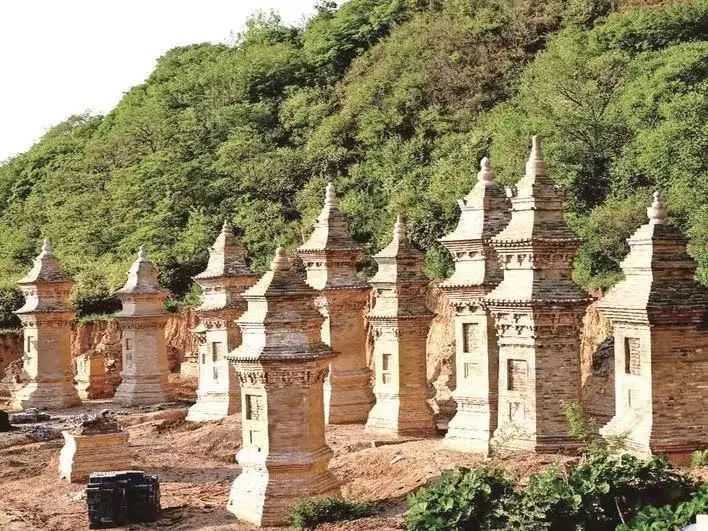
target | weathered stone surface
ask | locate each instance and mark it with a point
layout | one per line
(537, 311)
(400, 322)
(91, 381)
(282, 364)
(84, 454)
(223, 282)
(142, 321)
(597, 366)
(46, 321)
(104, 422)
(330, 257)
(659, 314)
(484, 212)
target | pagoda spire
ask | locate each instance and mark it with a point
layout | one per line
(537, 310)
(223, 282)
(330, 257)
(659, 314)
(484, 212)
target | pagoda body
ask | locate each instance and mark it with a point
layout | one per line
(659, 315)
(142, 322)
(282, 364)
(483, 213)
(400, 322)
(330, 257)
(223, 282)
(537, 311)
(46, 321)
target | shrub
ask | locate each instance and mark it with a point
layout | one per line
(669, 518)
(614, 488)
(308, 514)
(699, 458)
(461, 499)
(547, 503)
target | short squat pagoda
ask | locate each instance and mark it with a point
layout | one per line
(223, 281)
(330, 257)
(538, 311)
(659, 314)
(46, 321)
(142, 322)
(400, 322)
(484, 212)
(282, 364)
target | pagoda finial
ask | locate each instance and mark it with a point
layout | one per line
(399, 229)
(46, 248)
(486, 173)
(535, 164)
(226, 227)
(330, 195)
(142, 254)
(280, 262)
(657, 211)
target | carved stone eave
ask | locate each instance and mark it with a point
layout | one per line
(273, 355)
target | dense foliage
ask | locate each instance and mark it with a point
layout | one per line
(394, 100)
(461, 499)
(308, 514)
(598, 494)
(669, 517)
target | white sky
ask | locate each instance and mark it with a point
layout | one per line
(64, 57)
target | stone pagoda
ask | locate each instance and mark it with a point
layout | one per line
(282, 364)
(400, 322)
(659, 314)
(46, 321)
(142, 321)
(537, 311)
(484, 212)
(330, 257)
(223, 282)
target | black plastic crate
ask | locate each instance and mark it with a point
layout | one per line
(118, 498)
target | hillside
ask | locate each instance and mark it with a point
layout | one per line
(395, 101)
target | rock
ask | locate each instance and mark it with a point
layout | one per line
(28, 416)
(104, 422)
(42, 433)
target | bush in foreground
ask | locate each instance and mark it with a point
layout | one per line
(308, 514)
(669, 517)
(600, 493)
(461, 499)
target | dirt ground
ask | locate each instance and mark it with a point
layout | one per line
(195, 463)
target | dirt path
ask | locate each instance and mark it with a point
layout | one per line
(195, 463)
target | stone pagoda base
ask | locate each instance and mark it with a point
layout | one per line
(466, 431)
(264, 497)
(348, 397)
(46, 395)
(393, 416)
(516, 440)
(84, 454)
(214, 406)
(143, 391)
(98, 387)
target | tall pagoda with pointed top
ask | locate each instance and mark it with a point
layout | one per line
(484, 212)
(659, 315)
(400, 322)
(330, 257)
(223, 282)
(46, 322)
(282, 364)
(142, 322)
(538, 311)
